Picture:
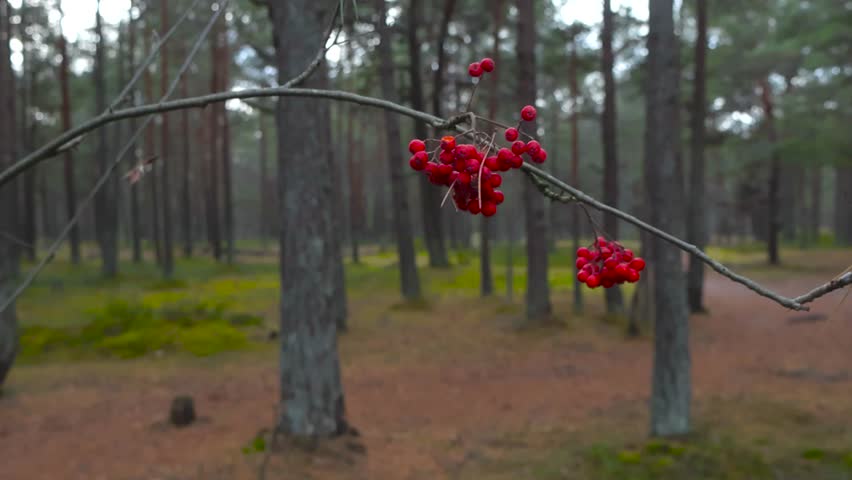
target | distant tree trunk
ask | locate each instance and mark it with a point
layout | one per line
(165, 150)
(312, 397)
(575, 166)
(430, 197)
(29, 226)
(68, 156)
(135, 220)
(842, 201)
(815, 214)
(213, 137)
(614, 299)
(227, 161)
(106, 217)
(671, 388)
(186, 173)
(8, 201)
(356, 186)
(696, 221)
(486, 277)
(538, 289)
(265, 202)
(400, 213)
(773, 214)
(150, 151)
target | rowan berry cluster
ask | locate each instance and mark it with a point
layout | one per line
(607, 263)
(468, 169)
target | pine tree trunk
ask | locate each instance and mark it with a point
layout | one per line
(815, 214)
(227, 161)
(614, 298)
(575, 167)
(106, 218)
(135, 220)
(213, 141)
(773, 212)
(671, 388)
(696, 221)
(186, 173)
(538, 306)
(68, 156)
(8, 202)
(410, 280)
(430, 197)
(265, 204)
(154, 200)
(165, 161)
(312, 397)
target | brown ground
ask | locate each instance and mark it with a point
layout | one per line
(437, 391)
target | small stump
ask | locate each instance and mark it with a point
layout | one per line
(182, 412)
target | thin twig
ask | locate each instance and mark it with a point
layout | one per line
(57, 243)
(15, 240)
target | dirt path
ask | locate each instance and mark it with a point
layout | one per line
(105, 421)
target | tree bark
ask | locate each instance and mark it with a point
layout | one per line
(106, 218)
(430, 197)
(29, 225)
(773, 213)
(154, 201)
(614, 298)
(68, 156)
(400, 213)
(842, 201)
(312, 397)
(8, 202)
(212, 204)
(186, 174)
(575, 167)
(815, 215)
(165, 161)
(538, 307)
(696, 221)
(227, 161)
(265, 202)
(135, 220)
(671, 389)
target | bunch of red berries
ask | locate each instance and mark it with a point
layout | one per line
(464, 169)
(607, 263)
(468, 169)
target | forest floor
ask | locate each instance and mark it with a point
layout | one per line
(452, 389)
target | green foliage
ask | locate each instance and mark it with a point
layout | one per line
(256, 445)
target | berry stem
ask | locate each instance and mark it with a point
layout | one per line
(446, 195)
(481, 166)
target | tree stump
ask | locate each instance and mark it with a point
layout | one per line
(182, 412)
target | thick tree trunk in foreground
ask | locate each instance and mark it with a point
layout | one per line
(106, 210)
(696, 221)
(8, 203)
(154, 200)
(538, 291)
(430, 197)
(671, 388)
(312, 399)
(614, 298)
(401, 218)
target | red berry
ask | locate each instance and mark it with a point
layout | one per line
(487, 64)
(581, 262)
(602, 242)
(533, 148)
(627, 255)
(473, 206)
(582, 276)
(611, 263)
(519, 147)
(528, 113)
(444, 170)
(637, 264)
(621, 270)
(607, 283)
(416, 145)
(496, 180)
(505, 154)
(511, 134)
(475, 69)
(541, 157)
(498, 197)
(593, 281)
(448, 142)
(492, 163)
(446, 157)
(584, 252)
(464, 178)
(489, 209)
(632, 275)
(517, 161)
(416, 164)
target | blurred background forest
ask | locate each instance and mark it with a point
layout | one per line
(170, 285)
